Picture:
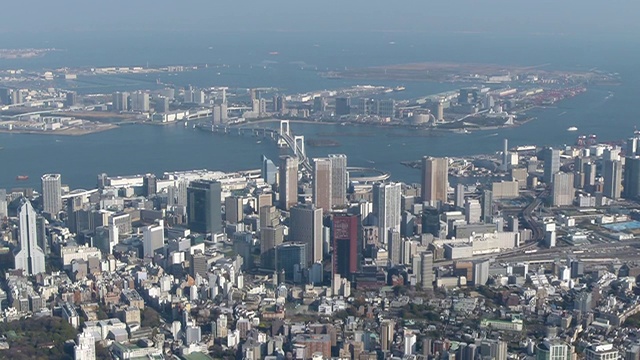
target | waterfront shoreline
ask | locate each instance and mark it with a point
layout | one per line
(63, 132)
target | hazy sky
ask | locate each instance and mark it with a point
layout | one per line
(567, 17)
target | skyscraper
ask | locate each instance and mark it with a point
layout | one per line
(269, 171)
(343, 106)
(120, 101)
(563, 191)
(233, 209)
(395, 248)
(149, 185)
(473, 211)
(487, 206)
(29, 256)
(152, 238)
(85, 349)
(3, 204)
(292, 258)
(552, 350)
(288, 179)
(387, 208)
(51, 194)
(551, 164)
(306, 227)
(631, 177)
(612, 179)
(435, 180)
(386, 334)
(339, 179)
(346, 233)
(204, 206)
(459, 196)
(322, 184)
(426, 278)
(140, 101)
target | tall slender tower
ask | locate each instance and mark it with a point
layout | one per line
(551, 164)
(504, 166)
(339, 179)
(322, 183)
(306, 227)
(435, 179)
(288, 178)
(29, 256)
(52, 194)
(387, 208)
(612, 179)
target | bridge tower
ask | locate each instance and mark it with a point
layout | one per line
(298, 140)
(284, 128)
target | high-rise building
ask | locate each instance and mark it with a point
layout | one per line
(140, 101)
(243, 246)
(85, 348)
(149, 185)
(198, 264)
(3, 204)
(153, 238)
(551, 164)
(162, 104)
(120, 101)
(395, 248)
(339, 179)
(493, 349)
(269, 171)
(553, 350)
(487, 206)
(52, 194)
(426, 270)
(631, 177)
(319, 104)
(29, 257)
(409, 343)
(71, 98)
(270, 239)
(292, 258)
(459, 196)
(472, 211)
(322, 184)
(288, 182)
(431, 221)
(563, 191)
(386, 334)
(612, 179)
(589, 174)
(435, 180)
(386, 208)
(343, 106)
(504, 165)
(204, 208)
(306, 227)
(346, 233)
(233, 208)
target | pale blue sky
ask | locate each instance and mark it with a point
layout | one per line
(567, 17)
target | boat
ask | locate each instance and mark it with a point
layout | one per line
(573, 128)
(22, 177)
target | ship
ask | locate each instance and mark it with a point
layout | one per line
(573, 128)
(22, 177)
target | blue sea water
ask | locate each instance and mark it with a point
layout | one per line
(247, 63)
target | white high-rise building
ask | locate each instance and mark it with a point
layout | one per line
(153, 238)
(29, 256)
(52, 194)
(3, 204)
(140, 101)
(409, 343)
(387, 208)
(85, 348)
(339, 179)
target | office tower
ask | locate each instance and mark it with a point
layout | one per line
(319, 104)
(631, 177)
(162, 104)
(279, 104)
(204, 206)
(224, 112)
(395, 248)
(386, 108)
(217, 114)
(243, 246)
(17, 97)
(51, 194)
(487, 206)
(612, 179)
(153, 238)
(262, 107)
(589, 174)
(407, 224)
(3, 204)
(632, 146)
(386, 334)
(480, 273)
(85, 348)
(140, 101)
(306, 227)
(149, 185)
(426, 270)
(292, 258)
(5, 96)
(288, 182)
(346, 233)
(472, 211)
(270, 239)
(41, 234)
(493, 349)
(322, 181)
(551, 164)
(601, 352)
(269, 171)
(198, 264)
(435, 180)
(269, 216)
(553, 349)
(29, 257)
(409, 343)
(386, 208)
(233, 209)
(504, 166)
(198, 97)
(343, 106)
(339, 179)
(431, 221)
(459, 196)
(563, 191)
(120, 101)
(71, 98)
(105, 238)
